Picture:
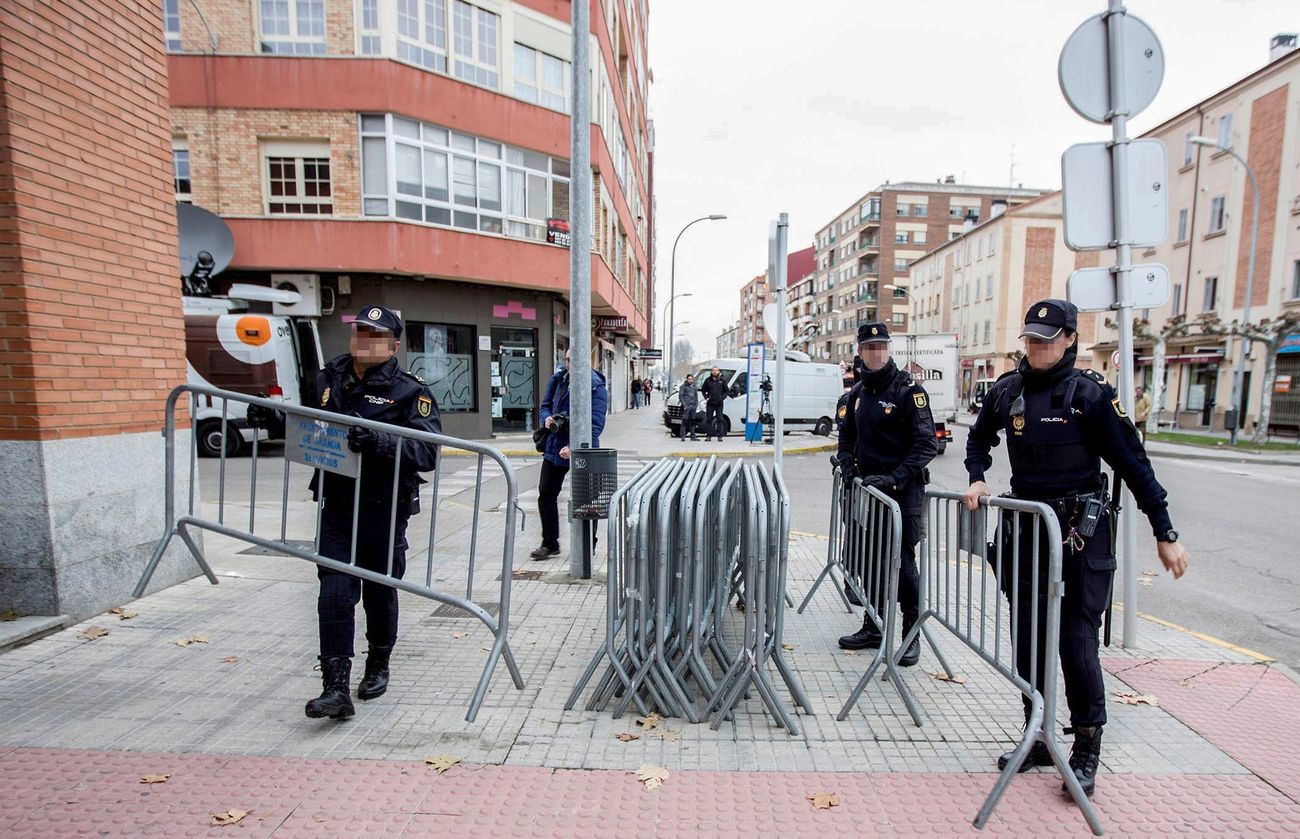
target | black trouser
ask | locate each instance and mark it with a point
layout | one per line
(688, 423)
(548, 502)
(713, 420)
(909, 579)
(1087, 575)
(339, 592)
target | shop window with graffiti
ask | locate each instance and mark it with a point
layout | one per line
(443, 355)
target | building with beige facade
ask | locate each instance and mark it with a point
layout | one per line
(872, 244)
(415, 155)
(980, 284)
(1207, 251)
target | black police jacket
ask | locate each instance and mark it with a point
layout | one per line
(1060, 424)
(385, 393)
(714, 390)
(888, 430)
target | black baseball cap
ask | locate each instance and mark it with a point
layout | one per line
(381, 318)
(874, 332)
(1046, 318)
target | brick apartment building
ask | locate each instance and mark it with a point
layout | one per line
(415, 154)
(872, 244)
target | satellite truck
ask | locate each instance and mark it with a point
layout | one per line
(256, 340)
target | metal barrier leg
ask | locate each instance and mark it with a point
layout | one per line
(195, 551)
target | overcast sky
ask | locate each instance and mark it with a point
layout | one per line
(762, 107)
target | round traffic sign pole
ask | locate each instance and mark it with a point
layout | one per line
(1084, 67)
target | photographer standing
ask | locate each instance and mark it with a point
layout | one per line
(555, 456)
(715, 393)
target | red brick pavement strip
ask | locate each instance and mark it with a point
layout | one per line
(1248, 711)
(65, 793)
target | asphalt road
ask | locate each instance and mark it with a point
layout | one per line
(1243, 584)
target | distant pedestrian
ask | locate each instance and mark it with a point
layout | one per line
(636, 393)
(690, 401)
(1141, 411)
(646, 390)
(715, 393)
(555, 458)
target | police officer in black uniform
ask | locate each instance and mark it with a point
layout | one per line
(886, 440)
(368, 383)
(1060, 423)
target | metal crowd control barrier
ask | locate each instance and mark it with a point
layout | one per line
(963, 577)
(687, 536)
(318, 438)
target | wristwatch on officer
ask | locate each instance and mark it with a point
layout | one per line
(1169, 535)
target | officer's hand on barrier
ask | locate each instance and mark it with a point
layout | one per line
(368, 441)
(883, 483)
(974, 493)
(260, 417)
(1174, 557)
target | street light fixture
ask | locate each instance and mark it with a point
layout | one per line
(672, 291)
(1239, 374)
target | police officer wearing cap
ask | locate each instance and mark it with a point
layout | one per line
(1060, 422)
(368, 383)
(886, 440)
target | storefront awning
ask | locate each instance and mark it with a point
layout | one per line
(1189, 358)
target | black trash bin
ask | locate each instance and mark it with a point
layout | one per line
(595, 480)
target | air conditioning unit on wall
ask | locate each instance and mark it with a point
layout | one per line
(308, 285)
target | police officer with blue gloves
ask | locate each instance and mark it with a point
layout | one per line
(886, 440)
(1060, 423)
(368, 383)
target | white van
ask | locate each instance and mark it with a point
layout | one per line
(810, 392)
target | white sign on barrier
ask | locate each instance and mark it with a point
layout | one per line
(320, 445)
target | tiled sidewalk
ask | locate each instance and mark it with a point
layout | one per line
(81, 721)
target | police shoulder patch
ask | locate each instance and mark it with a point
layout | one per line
(1119, 407)
(424, 405)
(844, 409)
(919, 399)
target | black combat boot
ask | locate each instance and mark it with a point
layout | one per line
(375, 682)
(334, 701)
(1084, 756)
(912, 654)
(866, 638)
(851, 594)
(1038, 753)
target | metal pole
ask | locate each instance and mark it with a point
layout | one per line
(1123, 302)
(580, 261)
(1239, 375)
(779, 278)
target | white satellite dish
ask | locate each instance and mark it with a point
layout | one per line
(770, 322)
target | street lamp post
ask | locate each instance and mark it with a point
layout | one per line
(1239, 374)
(672, 293)
(665, 325)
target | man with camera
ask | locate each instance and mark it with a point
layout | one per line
(555, 449)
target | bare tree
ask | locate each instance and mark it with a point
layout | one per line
(1269, 333)
(683, 359)
(1174, 327)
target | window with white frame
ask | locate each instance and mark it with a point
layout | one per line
(1182, 225)
(1295, 280)
(427, 173)
(541, 78)
(297, 178)
(291, 27)
(422, 33)
(918, 237)
(1225, 130)
(172, 24)
(986, 332)
(1216, 213)
(988, 288)
(1176, 307)
(900, 237)
(474, 41)
(368, 42)
(181, 171)
(992, 243)
(898, 319)
(1189, 148)
(1210, 301)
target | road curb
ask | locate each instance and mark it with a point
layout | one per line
(1248, 460)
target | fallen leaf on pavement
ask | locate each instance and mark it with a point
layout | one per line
(650, 722)
(230, 659)
(228, 817)
(652, 776)
(441, 762)
(628, 737)
(850, 652)
(1149, 574)
(193, 639)
(944, 677)
(459, 634)
(154, 779)
(10, 615)
(824, 800)
(787, 646)
(1144, 582)
(90, 633)
(1128, 697)
(666, 734)
(123, 614)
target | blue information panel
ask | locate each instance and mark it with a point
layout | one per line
(320, 445)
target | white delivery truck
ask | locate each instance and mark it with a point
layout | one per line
(229, 347)
(932, 361)
(810, 393)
